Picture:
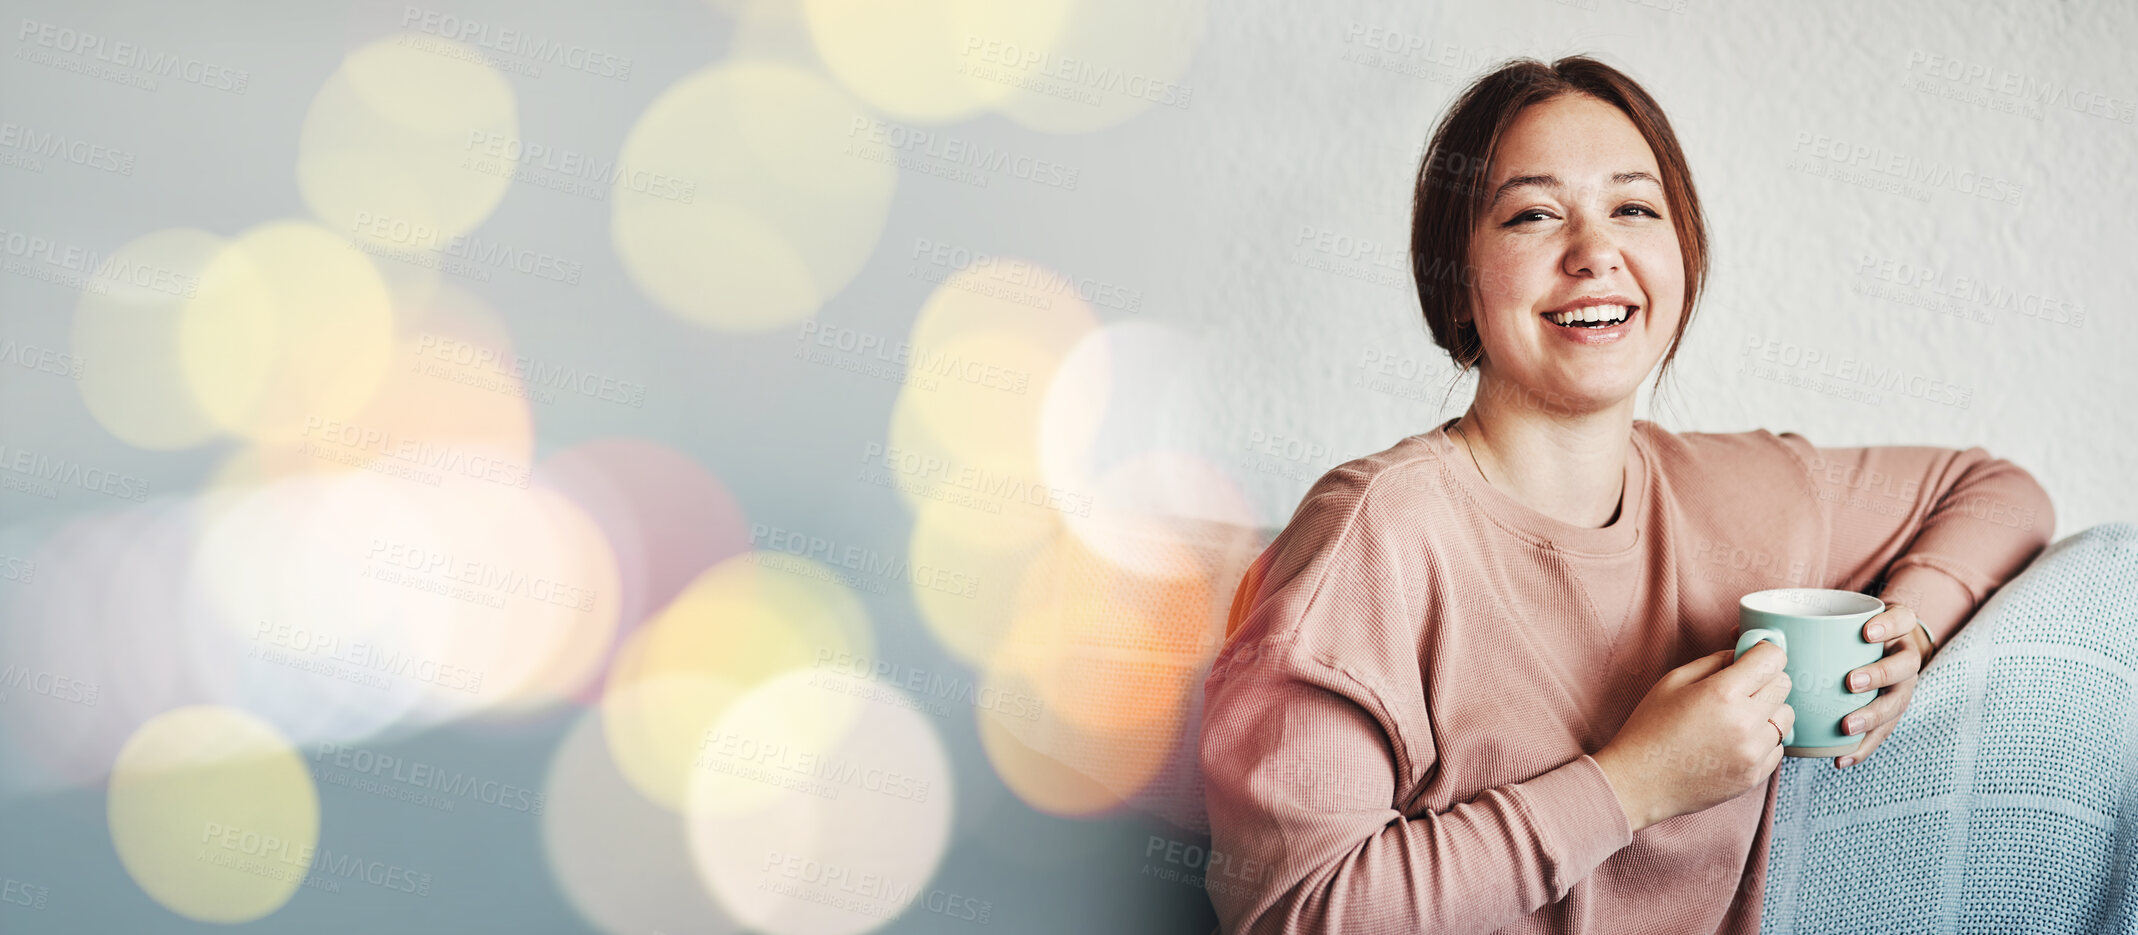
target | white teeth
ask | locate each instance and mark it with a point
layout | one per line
(1592, 313)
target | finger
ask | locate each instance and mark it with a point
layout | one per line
(1863, 751)
(1784, 717)
(1702, 667)
(1895, 621)
(1867, 678)
(1753, 669)
(1775, 691)
(1903, 648)
(1897, 666)
(1882, 711)
(1867, 718)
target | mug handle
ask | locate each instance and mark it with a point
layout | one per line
(1752, 638)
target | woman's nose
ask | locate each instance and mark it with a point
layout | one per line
(1592, 251)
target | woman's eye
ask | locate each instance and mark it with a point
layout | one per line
(1536, 214)
(1642, 209)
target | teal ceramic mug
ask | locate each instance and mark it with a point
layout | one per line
(1821, 629)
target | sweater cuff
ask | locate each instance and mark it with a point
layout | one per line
(1578, 817)
(1939, 600)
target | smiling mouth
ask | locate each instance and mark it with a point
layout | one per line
(1593, 316)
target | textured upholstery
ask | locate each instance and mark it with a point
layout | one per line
(2004, 801)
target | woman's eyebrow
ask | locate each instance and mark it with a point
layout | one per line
(1546, 181)
(1552, 181)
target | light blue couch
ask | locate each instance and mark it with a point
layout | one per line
(2005, 801)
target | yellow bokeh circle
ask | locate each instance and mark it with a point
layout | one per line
(213, 814)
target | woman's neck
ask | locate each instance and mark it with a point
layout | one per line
(1570, 466)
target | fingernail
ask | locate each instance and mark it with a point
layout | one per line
(1858, 680)
(1852, 725)
(1876, 632)
(1848, 760)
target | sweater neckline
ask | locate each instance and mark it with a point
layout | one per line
(1542, 530)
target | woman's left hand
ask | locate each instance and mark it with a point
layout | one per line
(1893, 676)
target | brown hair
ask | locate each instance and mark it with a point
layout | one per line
(1452, 185)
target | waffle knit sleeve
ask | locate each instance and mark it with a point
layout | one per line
(1316, 725)
(1937, 529)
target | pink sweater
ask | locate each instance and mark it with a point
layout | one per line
(1398, 731)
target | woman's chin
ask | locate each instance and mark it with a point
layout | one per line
(1570, 397)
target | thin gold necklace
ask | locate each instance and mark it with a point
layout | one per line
(1466, 447)
(1457, 426)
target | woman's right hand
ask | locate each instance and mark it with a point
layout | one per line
(1700, 737)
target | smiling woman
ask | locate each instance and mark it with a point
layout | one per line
(1563, 198)
(1483, 680)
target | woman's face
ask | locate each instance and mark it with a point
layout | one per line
(1575, 214)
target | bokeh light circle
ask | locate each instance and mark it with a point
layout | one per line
(127, 339)
(290, 327)
(393, 150)
(621, 860)
(817, 811)
(931, 61)
(213, 814)
(751, 618)
(742, 202)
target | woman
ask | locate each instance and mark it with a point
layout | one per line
(1483, 679)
